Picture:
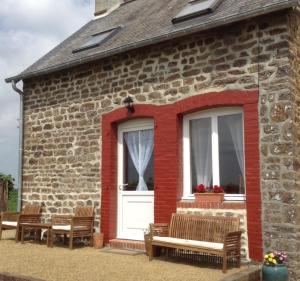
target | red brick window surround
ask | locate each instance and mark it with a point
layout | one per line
(168, 182)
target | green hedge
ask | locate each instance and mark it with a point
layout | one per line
(12, 200)
(7, 179)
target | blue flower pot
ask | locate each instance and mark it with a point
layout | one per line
(274, 273)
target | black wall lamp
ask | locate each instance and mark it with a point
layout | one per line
(129, 104)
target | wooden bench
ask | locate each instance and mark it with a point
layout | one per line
(218, 236)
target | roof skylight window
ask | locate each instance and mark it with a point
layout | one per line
(97, 39)
(196, 8)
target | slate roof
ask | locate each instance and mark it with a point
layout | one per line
(144, 22)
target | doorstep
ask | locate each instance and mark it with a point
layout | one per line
(124, 244)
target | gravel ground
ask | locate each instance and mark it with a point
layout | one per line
(87, 264)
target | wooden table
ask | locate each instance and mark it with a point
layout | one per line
(37, 227)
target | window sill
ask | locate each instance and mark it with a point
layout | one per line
(207, 205)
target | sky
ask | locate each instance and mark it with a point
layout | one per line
(28, 30)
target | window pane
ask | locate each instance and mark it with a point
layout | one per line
(131, 176)
(201, 156)
(96, 39)
(148, 176)
(231, 153)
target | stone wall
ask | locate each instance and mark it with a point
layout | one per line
(242, 214)
(62, 145)
(293, 204)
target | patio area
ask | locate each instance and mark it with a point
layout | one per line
(85, 263)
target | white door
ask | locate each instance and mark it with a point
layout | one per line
(135, 178)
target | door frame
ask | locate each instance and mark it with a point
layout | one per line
(128, 126)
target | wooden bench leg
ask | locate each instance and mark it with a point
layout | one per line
(71, 241)
(224, 269)
(51, 238)
(65, 239)
(92, 237)
(18, 234)
(238, 260)
(150, 253)
(22, 235)
(48, 237)
(37, 235)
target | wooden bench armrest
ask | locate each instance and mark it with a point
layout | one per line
(159, 229)
(62, 216)
(29, 218)
(61, 219)
(82, 221)
(232, 241)
(10, 216)
(82, 218)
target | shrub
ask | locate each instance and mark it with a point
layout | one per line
(7, 179)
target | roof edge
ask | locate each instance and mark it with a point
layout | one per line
(155, 40)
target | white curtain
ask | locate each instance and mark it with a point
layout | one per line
(140, 147)
(201, 150)
(235, 126)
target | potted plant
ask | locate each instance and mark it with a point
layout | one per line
(98, 240)
(213, 194)
(274, 267)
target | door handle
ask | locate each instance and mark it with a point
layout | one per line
(121, 186)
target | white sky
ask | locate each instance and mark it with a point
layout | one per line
(28, 30)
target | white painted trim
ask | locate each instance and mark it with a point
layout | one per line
(138, 193)
(213, 114)
(136, 124)
(235, 197)
(186, 159)
(215, 149)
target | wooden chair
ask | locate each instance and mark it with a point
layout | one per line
(12, 220)
(78, 226)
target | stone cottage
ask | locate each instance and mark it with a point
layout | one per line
(214, 91)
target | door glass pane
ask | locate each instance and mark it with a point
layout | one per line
(138, 152)
(231, 153)
(131, 176)
(149, 174)
(201, 156)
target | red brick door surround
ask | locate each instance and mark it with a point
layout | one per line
(168, 158)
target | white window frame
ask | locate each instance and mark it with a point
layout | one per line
(213, 114)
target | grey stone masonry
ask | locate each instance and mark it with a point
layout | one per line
(62, 114)
(291, 194)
